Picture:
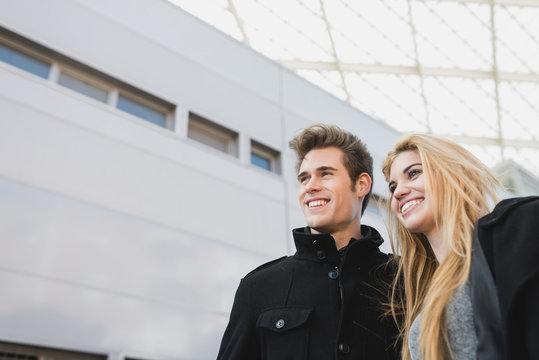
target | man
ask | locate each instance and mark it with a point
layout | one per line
(326, 301)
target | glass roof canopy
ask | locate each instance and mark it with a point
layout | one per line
(464, 69)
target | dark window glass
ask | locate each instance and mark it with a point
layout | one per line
(83, 87)
(142, 111)
(261, 161)
(23, 61)
(212, 134)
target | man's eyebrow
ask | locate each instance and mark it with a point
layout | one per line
(301, 174)
(321, 168)
(324, 168)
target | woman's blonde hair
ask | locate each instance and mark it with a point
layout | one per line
(458, 186)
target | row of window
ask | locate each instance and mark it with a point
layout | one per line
(227, 141)
(136, 103)
(43, 62)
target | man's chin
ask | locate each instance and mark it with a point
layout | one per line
(318, 229)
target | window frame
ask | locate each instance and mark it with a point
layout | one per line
(203, 125)
(132, 96)
(81, 76)
(261, 150)
(59, 64)
(28, 51)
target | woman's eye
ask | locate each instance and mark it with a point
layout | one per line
(414, 172)
(392, 188)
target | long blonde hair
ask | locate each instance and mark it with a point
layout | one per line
(459, 186)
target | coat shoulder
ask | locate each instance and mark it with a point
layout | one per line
(381, 261)
(521, 209)
(385, 268)
(266, 268)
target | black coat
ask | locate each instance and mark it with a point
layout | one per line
(319, 304)
(505, 281)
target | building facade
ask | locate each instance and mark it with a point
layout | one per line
(144, 170)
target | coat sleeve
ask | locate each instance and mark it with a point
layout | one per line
(240, 340)
(529, 316)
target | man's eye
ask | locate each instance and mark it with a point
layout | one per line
(325, 173)
(303, 179)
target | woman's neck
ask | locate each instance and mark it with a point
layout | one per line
(438, 245)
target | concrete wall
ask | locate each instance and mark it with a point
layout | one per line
(126, 239)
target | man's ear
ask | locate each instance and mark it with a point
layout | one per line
(363, 184)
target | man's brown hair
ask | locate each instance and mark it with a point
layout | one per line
(356, 157)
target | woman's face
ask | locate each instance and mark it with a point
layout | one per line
(409, 201)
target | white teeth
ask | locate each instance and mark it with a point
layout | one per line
(317, 203)
(409, 204)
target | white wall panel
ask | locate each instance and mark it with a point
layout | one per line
(89, 277)
(148, 329)
(106, 172)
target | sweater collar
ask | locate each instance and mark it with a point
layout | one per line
(321, 247)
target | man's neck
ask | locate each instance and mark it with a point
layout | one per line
(342, 238)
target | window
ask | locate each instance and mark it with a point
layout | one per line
(83, 87)
(142, 111)
(31, 352)
(261, 161)
(212, 134)
(265, 157)
(23, 61)
(39, 60)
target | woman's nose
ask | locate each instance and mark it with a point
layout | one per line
(400, 191)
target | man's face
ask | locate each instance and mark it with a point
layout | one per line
(326, 194)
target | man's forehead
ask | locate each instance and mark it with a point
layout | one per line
(322, 158)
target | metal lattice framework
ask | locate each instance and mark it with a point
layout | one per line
(467, 70)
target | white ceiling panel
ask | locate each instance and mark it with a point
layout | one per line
(464, 69)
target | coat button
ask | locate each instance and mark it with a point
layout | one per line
(344, 348)
(321, 254)
(279, 324)
(333, 274)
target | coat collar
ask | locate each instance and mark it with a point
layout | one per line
(321, 247)
(502, 209)
(486, 308)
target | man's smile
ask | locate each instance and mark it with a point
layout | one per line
(316, 203)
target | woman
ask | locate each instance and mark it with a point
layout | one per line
(460, 302)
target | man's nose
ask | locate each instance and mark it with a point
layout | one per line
(313, 184)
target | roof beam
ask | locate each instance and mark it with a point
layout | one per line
(239, 21)
(530, 3)
(337, 62)
(484, 141)
(406, 70)
(419, 66)
(496, 81)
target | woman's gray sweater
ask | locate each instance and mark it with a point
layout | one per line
(460, 327)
